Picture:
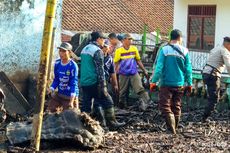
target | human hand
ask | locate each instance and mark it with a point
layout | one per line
(116, 89)
(76, 103)
(188, 90)
(152, 87)
(50, 92)
(146, 74)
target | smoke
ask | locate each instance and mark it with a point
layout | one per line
(21, 29)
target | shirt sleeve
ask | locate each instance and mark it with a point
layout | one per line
(99, 62)
(226, 58)
(117, 56)
(188, 70)
(56, 78)
(159, 67)
(137, 54)
(73, 83)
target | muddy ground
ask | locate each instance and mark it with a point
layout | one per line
(146, 132)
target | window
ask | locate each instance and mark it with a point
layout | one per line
(201, 27)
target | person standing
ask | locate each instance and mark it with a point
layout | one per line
(65, 79)
(107, 103)
(219, 58)
(93, 80)
(126, 60)
(173, 69)
(114, 43)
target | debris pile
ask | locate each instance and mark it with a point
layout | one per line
(68, 126)
(146, 132)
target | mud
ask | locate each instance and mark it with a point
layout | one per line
(146, 132)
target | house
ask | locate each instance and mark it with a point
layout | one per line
(120, 16)
(204, 24)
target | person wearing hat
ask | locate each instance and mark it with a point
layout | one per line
(173, 70)
(65, 80)
(126, 60)
(101, 103)
(114, 43)
(218, 59)
(93, 79)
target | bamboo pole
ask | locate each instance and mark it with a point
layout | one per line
(42, 74)
(143, 49)
(50, 65)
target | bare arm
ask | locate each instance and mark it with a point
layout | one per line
(142, 68)
(114, 79)
(117, 67)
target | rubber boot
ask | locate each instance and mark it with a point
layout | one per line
(98, 114)
(170, 122)
(111, 121)
(207, 113)
(123, 104)
(177, 120)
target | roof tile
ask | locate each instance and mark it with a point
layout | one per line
(117, 15)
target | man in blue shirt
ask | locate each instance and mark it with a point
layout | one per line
(173, 69)
(65, 79)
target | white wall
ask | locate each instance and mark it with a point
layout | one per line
(21, 30)
(222, 17)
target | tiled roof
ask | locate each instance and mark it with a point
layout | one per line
(103, 15)
(116, 15)
(155, 13)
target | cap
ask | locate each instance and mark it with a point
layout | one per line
(66, 46)
(96, 34)
(175, 34)
(112, 35)
(127, 36)
(106, 43)
(227, 39)
(119, 37)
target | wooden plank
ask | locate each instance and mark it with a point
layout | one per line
(15, 102)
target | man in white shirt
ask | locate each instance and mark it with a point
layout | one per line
(219, 58)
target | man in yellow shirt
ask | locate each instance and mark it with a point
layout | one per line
(126, 60)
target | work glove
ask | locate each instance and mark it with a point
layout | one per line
(152, 87)
(188, 90)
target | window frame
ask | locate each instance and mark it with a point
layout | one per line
(203, 14)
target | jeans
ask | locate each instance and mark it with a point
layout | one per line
(91, 92)
(213, 85)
